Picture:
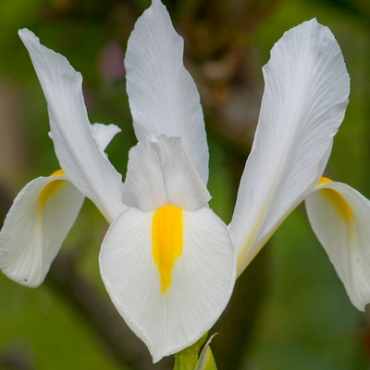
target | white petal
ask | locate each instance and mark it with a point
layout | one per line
(159, 172)
(77, 150)
(340, 218)
(202, 279)
(36, 226)
(163, 97)
(306, 94)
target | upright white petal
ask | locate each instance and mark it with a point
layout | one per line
(340, 218)
(36, 226)
(160, 173)
(77, 150)
(163, 97)
(304, 102)
(202, 279)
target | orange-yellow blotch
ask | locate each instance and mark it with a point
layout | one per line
(342, 209)
(50, 189)
(324, 180)
(167, 239)
(59, 172)
(340, 204)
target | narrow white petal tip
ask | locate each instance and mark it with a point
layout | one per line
(171, 316)
(340, 217)
(104, 134)
(26, 33)
(36, 226)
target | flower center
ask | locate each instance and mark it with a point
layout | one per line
(167, 239)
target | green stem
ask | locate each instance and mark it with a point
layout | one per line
(187, 359)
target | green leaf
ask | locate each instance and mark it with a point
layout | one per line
(206, 360)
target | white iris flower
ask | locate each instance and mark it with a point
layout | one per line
(168, 262)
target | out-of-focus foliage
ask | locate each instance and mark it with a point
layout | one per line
(301, 317)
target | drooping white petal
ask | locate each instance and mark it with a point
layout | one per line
(75, 146)
(340, 218)
(36, 226)
(163, 97)
(159, 172)
(202, 279)
(304, 102)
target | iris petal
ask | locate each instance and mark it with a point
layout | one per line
(36, 226)
(162, 95)
(75, 146)
(304, 102)
(202, 278)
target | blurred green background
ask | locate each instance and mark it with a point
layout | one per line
(293, 310)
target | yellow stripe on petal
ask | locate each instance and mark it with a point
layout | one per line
(341, 207)
(50, 189)
(167, 239)
(59, 172)
(340, 204)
